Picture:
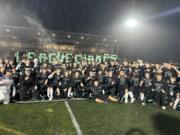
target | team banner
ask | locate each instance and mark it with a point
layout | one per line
(67, 57)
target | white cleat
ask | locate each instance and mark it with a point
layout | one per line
(163, 107)
(143, 104)
(50, 98)
(132, 100)
(126, 101)
(5, 103)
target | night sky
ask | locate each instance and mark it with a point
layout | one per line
(102, 17)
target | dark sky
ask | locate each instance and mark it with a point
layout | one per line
(158, 40)
(83, 16)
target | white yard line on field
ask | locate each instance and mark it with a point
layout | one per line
(73, 118)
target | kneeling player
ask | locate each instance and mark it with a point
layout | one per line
(97, 93)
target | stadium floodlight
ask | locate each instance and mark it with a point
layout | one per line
(7, 30)
(53, 35)
(115, 40)
(104, 39)
(69, 36)
(39, 33)
(131, 23)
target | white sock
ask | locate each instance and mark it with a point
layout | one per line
(142, 96)
(131, 95)
(48, 93)
(69, 93)
(51, 92)
(126, 97)
(176, 103)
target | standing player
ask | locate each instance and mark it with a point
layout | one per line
(171, 90)
(50, 92)
(177, 100)
(6, 83)
(57, 82)
(122, 86)
(160, 91)
(66, 85)
(135, 79)
(42, 83)
(26, 84)
(145, 88)
(77, 84)
(111, 87)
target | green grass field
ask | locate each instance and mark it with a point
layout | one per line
(35, 119)
(94, 119)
